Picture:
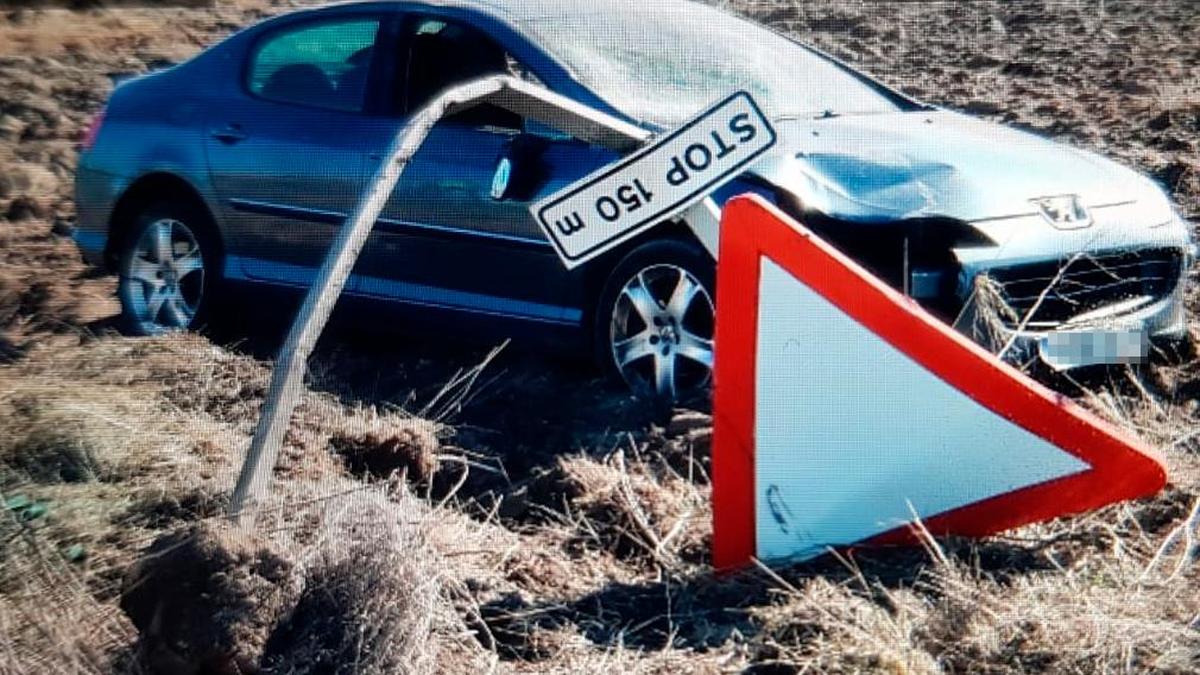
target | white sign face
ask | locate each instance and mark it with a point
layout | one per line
(676, 171)
(835, 465)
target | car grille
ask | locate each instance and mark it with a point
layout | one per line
(1086, 283)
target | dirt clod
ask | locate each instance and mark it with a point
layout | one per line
(206, 599)
(1160, 122)
(25, 208)
(376, 596)
(412, 452)
(161, 511)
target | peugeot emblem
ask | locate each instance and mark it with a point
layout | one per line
(1066, 212)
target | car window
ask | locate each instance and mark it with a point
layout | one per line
(324, 65)
(442, 54)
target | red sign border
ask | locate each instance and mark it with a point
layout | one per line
(751, 229)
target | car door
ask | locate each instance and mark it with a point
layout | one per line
(286, 156)
(457, 233)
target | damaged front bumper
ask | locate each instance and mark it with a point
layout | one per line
(1118, 295)
(1109, 336)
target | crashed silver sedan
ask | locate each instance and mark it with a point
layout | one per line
(192, 182)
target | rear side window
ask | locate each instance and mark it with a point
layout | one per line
(321, 64)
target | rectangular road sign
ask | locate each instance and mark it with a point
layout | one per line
(616, 203)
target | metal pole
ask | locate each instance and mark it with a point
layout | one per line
(287, 379)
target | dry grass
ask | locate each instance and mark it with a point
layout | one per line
(376, 597)
(987, 318)
(114, 459)
(603, 567)
(51, 621)
(588, 554)
(1079, 613)
(637, 509)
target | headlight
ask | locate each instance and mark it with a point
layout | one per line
(1156, 205)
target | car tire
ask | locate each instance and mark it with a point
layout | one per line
(655, 319)
(169, 268)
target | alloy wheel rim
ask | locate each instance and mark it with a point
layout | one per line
(166, 272)
(661, 332)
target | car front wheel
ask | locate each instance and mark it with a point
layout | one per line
(168, 269)
(655, 320)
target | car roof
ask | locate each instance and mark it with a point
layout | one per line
(519, 10)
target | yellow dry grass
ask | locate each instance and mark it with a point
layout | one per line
(595, 561)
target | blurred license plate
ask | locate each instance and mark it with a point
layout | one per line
(1078, 348)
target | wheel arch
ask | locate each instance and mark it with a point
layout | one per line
(598, 272)
(147, 189)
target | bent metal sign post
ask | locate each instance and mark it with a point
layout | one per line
(287, 378)
(745, 124)
(657, 182)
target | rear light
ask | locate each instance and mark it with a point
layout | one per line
(92, 132)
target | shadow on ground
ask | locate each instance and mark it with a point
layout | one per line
(707, 611)
(526, 406)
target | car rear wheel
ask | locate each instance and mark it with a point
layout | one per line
(169, 268)
(655, 320)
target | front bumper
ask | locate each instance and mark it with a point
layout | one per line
(1141, 299)
(1163, 321)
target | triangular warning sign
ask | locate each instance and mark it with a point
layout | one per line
(841, 407)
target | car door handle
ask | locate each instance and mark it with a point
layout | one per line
(230, 134)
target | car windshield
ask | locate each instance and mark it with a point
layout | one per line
(662, 62)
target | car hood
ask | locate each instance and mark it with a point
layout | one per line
(935, 164)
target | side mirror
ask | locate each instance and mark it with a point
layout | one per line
(520, 171)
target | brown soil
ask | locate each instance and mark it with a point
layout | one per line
(412, 454)
(548, 523)
(204, 600)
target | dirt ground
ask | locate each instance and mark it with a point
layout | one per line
(440, 511)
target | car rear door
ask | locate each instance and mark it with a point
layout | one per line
(287, 155)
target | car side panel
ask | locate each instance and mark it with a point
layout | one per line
(445, 241)
(443, 229)
(280, 184)
(96, 195)
(162, 123)
(151, 127)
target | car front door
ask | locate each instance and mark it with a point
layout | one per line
(457, 233)
(286, 156)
